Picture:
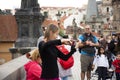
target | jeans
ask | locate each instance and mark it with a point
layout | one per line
(64, 78)
(102, 73)
(117, 76)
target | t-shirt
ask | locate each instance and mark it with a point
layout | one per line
(81, 38)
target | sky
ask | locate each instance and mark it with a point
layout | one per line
(12, 4)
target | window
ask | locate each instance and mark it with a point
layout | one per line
(107, 9)
(92, 26)
(99, 26)
(107, 19)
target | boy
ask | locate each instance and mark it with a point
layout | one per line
(116, 64)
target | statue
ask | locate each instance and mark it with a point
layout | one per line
(34, 3)
(23, 4)
(29, 4)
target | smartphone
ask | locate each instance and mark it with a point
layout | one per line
(74, 42)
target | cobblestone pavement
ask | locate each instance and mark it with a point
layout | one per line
(76, 69)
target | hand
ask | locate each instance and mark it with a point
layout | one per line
(28, 55)
(87, 42)
(66, 41)
(93, 66)
(79, 44)
(91, 44)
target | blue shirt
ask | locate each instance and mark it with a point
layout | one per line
(81, 38)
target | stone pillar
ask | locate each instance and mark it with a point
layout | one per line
(16, 52)
(29, 20)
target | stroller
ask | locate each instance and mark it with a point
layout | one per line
(94, 75)
(109, 74)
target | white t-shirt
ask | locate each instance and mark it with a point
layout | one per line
(101, 61)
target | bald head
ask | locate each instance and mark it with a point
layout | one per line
(87, 29)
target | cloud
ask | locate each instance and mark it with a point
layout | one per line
(63, 3)
(9, 4)
(12, 4)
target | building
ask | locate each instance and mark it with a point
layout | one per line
(8, 35)
(106, 10)
(107, 15)
(116, 15)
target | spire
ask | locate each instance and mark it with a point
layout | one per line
(91, 10)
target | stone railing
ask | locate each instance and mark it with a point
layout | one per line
(14, 70)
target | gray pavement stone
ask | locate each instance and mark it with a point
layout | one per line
(76, 68)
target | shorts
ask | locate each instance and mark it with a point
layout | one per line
(86, 62)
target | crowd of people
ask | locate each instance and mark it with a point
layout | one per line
(101, 52)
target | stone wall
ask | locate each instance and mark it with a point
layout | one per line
(13, 70)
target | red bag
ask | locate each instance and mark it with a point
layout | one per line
(65, 64)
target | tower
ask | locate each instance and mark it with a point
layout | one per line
(91, 10)
(92, 17)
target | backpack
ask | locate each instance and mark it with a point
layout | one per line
(65, 64)
(87, 49)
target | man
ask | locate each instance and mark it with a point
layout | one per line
(87, 43)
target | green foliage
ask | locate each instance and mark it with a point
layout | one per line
(61, 33)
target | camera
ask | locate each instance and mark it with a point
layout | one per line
(74, 42)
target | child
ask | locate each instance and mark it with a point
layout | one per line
(65, 72)
(65, 66)
(116, 64)
(33, 68)
(49, 53)
(102, 63)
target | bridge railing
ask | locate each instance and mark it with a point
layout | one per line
(14, 70)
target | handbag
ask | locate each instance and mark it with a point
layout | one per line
(65, 64)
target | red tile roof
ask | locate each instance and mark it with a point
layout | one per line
(96, 34)
(8, 28)
(49, 21)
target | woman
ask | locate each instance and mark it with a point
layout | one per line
(49, 53)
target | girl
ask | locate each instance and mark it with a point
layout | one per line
(33, 68)
(49, 53)
(102, 63)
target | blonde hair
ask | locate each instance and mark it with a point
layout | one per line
(35, 54)
(50, 28)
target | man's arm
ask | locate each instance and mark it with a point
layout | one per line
(80, 42)
(94, 44)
